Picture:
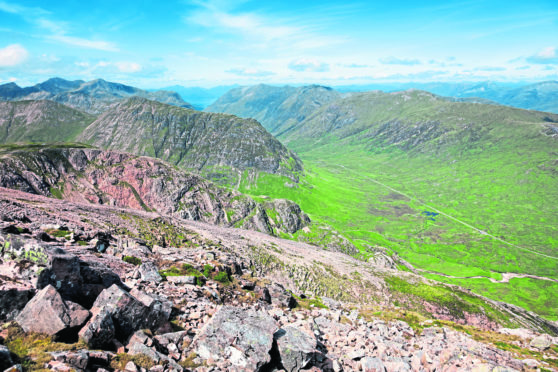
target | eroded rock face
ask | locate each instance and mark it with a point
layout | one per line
(239, 338)
(48, 313)
(125, 180)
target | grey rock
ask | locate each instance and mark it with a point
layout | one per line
(13, 300)
(149, 272)
(5, 358)
(371, 364)
(240, 337)
(99, 331)
(158, 310)
(128, 313)
(296, 348)
(182, 279)
(541, 342)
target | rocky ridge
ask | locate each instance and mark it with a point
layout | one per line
(217, 146)
(243, 310)
(113, 178)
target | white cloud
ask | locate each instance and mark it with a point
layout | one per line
(308, 64)
(249, 71)
(12, 55)
(399, 61)
(128, 66)
(85, 43)
(546, 56)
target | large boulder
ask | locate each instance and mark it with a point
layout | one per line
(541, 342)
(48, 313)
(128, 314)
(5, 358)
(280, 296)
(296, 348)
(240, 338)
(76, 280)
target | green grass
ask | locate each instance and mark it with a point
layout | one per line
(488, 192)
(132, 260)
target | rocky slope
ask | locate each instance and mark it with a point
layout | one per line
(208, 298)
(277, 108)
(40, 121)
(92, 97)
(215, 145)
(129, 181)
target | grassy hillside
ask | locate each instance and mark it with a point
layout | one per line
(40, 121)
(457, 189)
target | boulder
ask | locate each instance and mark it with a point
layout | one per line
(149, 272)
(241, 337)
(5, 358)
(13, 299)
(128, 314)
(158, 311)
(281, 297)
(182, 279)
(48, 313)
(297, 349)
(99, 332)
(370, 364)
(541, 342)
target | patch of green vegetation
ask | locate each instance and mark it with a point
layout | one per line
(136, 196)
(32, 349)
(132, 260)
(207, 269)
(184, 270)
(59, 233)
(222, 277)
(57, 193)
(120, 360)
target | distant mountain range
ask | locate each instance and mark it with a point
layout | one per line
(92, 97)
(541, 96)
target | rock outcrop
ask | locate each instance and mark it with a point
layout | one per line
(124, 180)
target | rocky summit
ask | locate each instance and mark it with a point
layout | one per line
(81, 290)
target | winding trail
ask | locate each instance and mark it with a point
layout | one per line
(447, 215)
(505, 276)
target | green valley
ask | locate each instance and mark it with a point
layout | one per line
(456, 189)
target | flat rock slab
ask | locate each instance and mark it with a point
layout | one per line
(241, 338)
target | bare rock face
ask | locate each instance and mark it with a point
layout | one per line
(48, 313)
(240, 339)
(99, 331)
(296, 348)
(128, 314)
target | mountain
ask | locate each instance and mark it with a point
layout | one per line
(87, 175)
(459, 190)
(199, 97)
(277, 108)
(216, 145)
(92, 97)
(40, 121)
(539, 96)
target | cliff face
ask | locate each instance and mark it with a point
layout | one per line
(193, 140)
(128, 181)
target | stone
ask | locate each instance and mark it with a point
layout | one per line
(15, 368)
(149, 272)
(158, 311)
(241, 337)
(5, 358)
(99, 331)
(371, 364)
(541, 342)
(48, 313)
(182, 279)
(281, 297)
(77, 359)
(13, 300)
(130, 367)
(296, 348)
(128, 314)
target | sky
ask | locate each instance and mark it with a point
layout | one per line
(152, 44)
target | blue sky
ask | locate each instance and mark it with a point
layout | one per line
(207, 43)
